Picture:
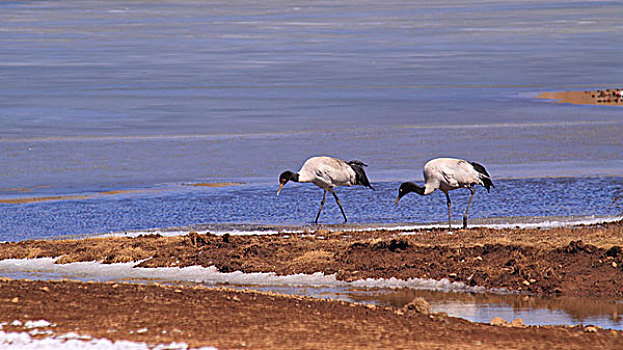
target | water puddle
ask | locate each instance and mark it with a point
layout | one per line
(482, 307)
(455, 299)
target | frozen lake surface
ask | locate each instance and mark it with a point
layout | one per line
(99, 95)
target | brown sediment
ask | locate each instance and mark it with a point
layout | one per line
(229, 319)
(609, 97)
(69, 197)
(124, 192)
(43, 199)
(578, 261)
(16, 189)
(216, 184)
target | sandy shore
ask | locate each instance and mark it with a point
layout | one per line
(608, 97)
(579, 261)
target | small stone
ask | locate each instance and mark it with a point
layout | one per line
(15, 300)
(525, 283)
(479, 258)
(532, 281)
(590, 329)
(518, 322)
(419, 305)
(45, 289)
(371, 306)
(614, 264)
(178, 291)
(452, 275)
(498, 321)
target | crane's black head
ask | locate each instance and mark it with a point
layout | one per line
(285, 177)
(407, 187)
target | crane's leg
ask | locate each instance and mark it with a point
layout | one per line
(449, 216)
(338, 203)
(324, 195)
(466, 210)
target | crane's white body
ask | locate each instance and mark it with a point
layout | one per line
(449, 174)
(327, 172)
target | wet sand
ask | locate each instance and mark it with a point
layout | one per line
(215, 184)
(43, 199)
(609, 97)
(578, 261)
(26, 200)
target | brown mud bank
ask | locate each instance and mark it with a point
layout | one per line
(607, 97)
(227, 319)
(576, 261)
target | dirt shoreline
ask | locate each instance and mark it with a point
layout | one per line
(229, 319)
(577, 261)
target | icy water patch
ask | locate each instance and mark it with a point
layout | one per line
(456, 299)
(404, 228)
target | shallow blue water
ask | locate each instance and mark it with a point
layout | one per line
(179, 205)
(99, 95)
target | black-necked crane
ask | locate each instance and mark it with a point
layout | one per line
(448, 174)
(328, 173)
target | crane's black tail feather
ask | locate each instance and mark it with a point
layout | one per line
(486, 179)
(361, 179)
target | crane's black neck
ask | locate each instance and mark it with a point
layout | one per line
(288, 176)
(407, 187)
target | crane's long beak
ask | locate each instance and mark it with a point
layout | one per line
(280, 187)
(397, 199)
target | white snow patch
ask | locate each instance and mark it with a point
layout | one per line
(45, 268)
(167, 233)
(73, 335)
(542, 223)
(23, 341)
(40, 332)
(38, 324)
(494, 223)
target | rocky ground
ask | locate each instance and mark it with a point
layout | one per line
(579, 261)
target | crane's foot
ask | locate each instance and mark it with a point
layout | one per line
(464, 222)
